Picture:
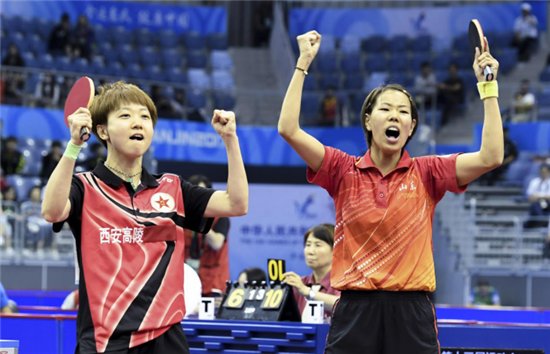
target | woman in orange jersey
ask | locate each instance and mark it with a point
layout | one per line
(385, 200)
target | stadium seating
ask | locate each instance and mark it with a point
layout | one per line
(224, 100)
(196, 99)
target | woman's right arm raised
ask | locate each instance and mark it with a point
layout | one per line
(56, 205)
(309, 148)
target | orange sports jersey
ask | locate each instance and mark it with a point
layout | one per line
(383, 235)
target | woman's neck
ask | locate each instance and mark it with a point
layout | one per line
(124, 167)
(320, 273)
(385, 163)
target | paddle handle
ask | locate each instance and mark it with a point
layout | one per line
(488, 73)
(84, 134)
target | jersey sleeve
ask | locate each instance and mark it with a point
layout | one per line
(195, 200)
(336, 164)
(439, 175)
(76, 196)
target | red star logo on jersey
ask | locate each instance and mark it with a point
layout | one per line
(162, 202)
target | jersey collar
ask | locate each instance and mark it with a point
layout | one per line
(366, 161)
(110, 178)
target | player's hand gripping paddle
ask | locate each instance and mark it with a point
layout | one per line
(476, 38)
(81, 95)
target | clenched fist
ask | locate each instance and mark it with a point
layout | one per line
(482, 60)
(309, 44)
(224, 123)
(79, 119)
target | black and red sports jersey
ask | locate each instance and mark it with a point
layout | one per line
(130, 248)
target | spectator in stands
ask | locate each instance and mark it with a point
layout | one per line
(524, 103)
(451, 93)
(484, 294)
(9, 195)
(263, 22)
(12, 160)
(211, 249)
(9, 212)
(38, 231)
(98, 154)
(65, 85)
(60, 37)
(196, 115)
(252, 274)
(13, 58)
(50, 161)
(14, 82)
(6, 232)
(178, 103)
(82, 39)
(318, 244)
(526, 33)
(425, 85)
(47, 91)
(3, 182)
(162, 101)
(330, 111)
(538, 194)
(510, 155)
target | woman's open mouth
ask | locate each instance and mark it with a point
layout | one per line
(392, 134)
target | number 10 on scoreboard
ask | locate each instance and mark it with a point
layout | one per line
(276, 269)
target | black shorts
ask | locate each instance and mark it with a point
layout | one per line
(383, 322)
(172, 341)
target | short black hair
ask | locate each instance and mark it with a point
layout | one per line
(425, 64)
(254, 274)
(482, 282)
(197, 179)
(323, 232)
(11, 139)
(57, 144)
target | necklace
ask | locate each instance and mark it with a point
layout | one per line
(130, 177)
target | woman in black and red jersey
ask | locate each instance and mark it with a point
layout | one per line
(128, 225)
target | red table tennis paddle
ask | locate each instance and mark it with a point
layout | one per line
(476, 38)
(81, 95)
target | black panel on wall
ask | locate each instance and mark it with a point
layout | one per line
(218, 173)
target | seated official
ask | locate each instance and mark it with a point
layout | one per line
(318, 243)
(484, 294)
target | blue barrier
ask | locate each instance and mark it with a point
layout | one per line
(155, 17)
(56, 335)
(37, 297)
(531, 137)
(197, 142)
(441, 23)
(514, 315)
(486, 336)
